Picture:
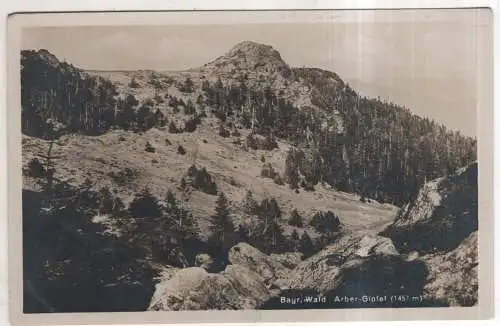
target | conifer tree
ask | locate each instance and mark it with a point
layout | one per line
(250, 205)
(292, 169)
(306, 245)
(295, 240)
(221, 224)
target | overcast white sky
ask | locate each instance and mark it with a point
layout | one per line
(427, 61)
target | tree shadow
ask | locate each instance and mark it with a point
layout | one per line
(71, 264)
(450, 223)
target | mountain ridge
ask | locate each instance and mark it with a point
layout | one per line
(312, 108)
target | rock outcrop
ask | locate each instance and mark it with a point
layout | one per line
(195, 289)
(440, 230)
(249, 56)
(268, 269)
(322, 272)
(453, 277)
(436, 235)
(441, 217)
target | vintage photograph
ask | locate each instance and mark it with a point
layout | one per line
(268, 165)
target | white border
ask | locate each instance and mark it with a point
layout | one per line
(123, 5)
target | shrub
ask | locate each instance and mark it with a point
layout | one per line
(187, 86)
(191, 124)
(268, 171)
(181, 150)
(133, 83)
(296, 219)
(278, 180)
(255, 142)
(203, 181)
(233, 182)
(159, 99)
(172, 101)
(220, 115)
(189, 108)
(172, 128)
(325, 222)
(124, 177)
(223, 132)
(236, 133)
(145, 205)
(149, 148)
(307, 185)
(183, 184)
(106, 201)
(270, 143)
(149, 102)
(202, 114)
(36, 169)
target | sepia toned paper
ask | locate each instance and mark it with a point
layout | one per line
(187, 148)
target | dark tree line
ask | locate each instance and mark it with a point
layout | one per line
(57, 91)
(373, 148)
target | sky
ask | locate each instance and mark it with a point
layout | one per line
(428, 61)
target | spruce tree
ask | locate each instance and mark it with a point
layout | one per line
(106, 201)
(250, 205)
(171, 201)
(292, 169)
(271, 233)
(295, 241)
(221, 224)
(306, 245)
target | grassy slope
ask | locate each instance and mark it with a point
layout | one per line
(95, 157)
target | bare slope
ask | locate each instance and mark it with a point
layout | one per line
(234, 169)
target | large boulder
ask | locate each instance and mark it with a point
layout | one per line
(248, 284)
(195, 289)
(268, 269)
(443, 214)
(322, 271)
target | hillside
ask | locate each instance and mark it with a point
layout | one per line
(355, 144)
(162, 171)
(368, 268)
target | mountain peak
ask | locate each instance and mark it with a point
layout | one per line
(250, 55)
(254, 49)
(48, 57)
